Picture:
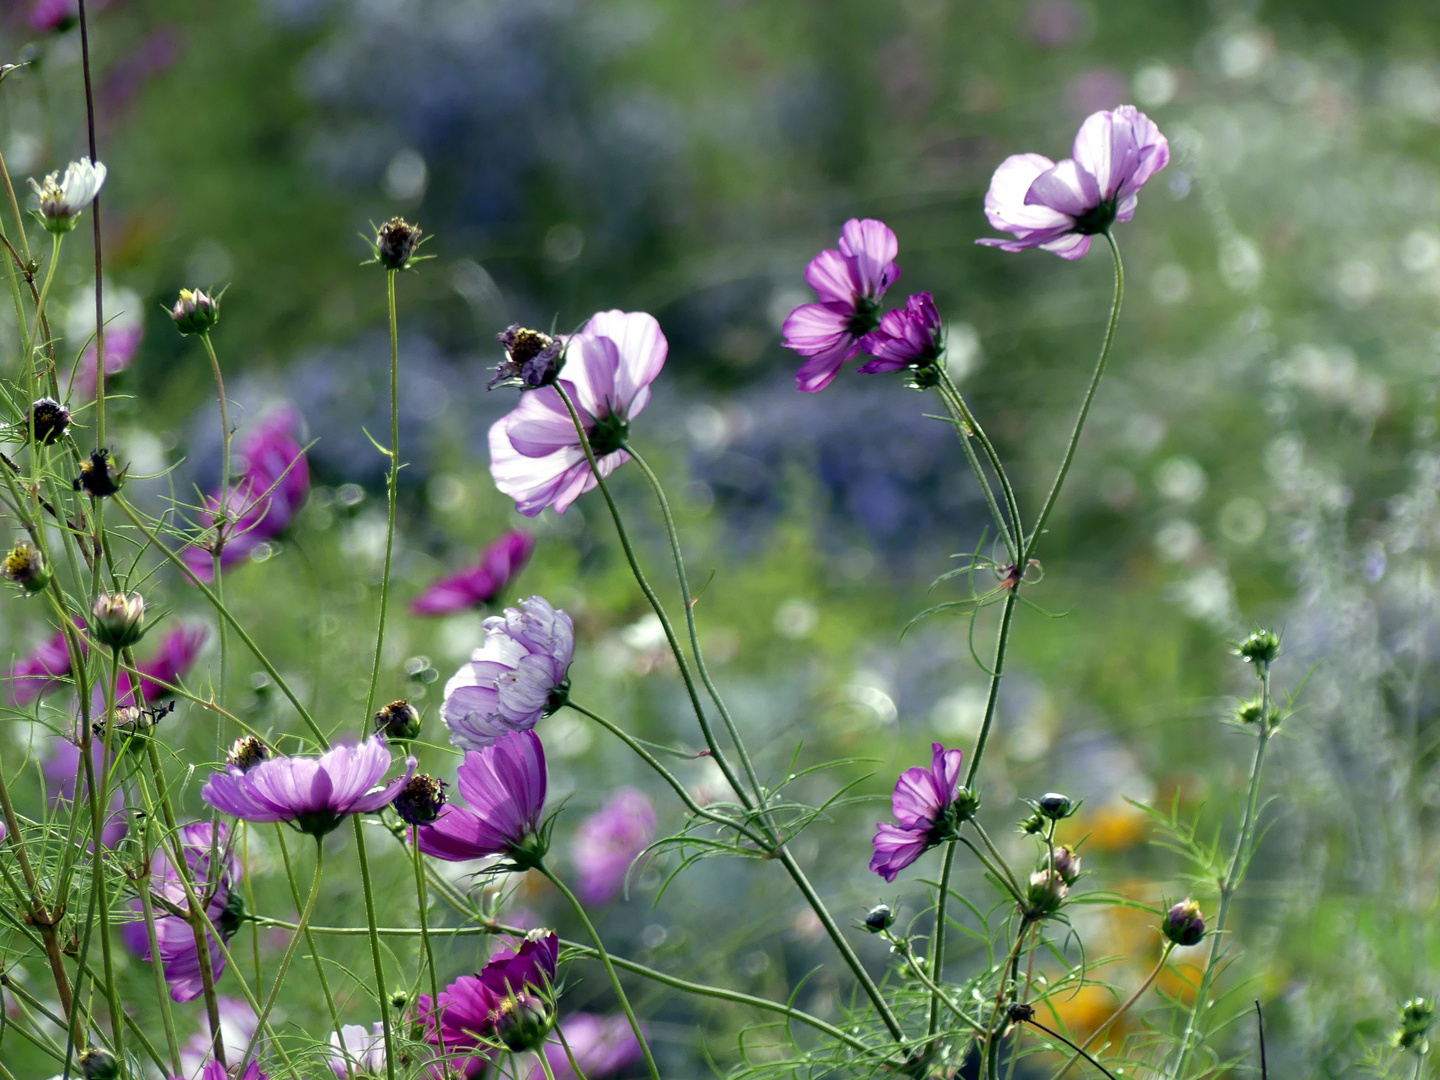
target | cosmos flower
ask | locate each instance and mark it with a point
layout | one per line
(62, 198)
(514, 678)
(850, 282)
(481, 583)
(505, 786)
(472, 1007)
(179, 953)
(608, 841)
(602, 1045)
(314, 794)
(536, 456)
(363, 1051)
(1059, 206)
(923, 804)
(237, 1026)
(907, 337)
(46, 669)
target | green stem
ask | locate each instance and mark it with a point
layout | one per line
(95, 228)
(423, 903)
(392, 489)
(609, 967)
(223, 515)
(40, 310)
(147, 907)
(1118, 1013)
(99, 805)
(999, 860)
(373, 926)
(540, 1057)
(937, 939)
(966, 428)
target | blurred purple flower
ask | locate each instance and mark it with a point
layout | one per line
(215, 1071)
(62, 765)
(122, 343)
(505, 786)
(608, 841)
(1058, 207)
(480, 584)
(472, 1004)
(908, 335)
(54, 15)
(920, 803)
(850, 282)
(514, 678)
(535, 452)
(314, 794)
(155, 55)
(1053, 23)
(274, 484)
(176, 938)
(1094, 89)
(363, 1052)
(237, 1026)
(603, 1046)
(43, 670)
(170, 664)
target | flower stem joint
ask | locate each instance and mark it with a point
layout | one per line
(25, 566)
(1261, 648)
(196, 312)
(119, 619)
(1184, 924)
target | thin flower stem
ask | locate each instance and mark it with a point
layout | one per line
(991, 454)
(937, 939)
(100, 796)
(1118, 1013)
(147, 907)
(998, 858)
(95, 228)
(604, 957)
(226, 435)
(540, 1057)
(966, 429)
(40, 312)
(392, 491)
(918, 970)
(423, 903)
(1056, 1035)
(373, 926)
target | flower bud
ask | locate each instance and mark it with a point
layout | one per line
(1033, 825)
(1067, 864)
(1184, 924)
(97, 1064)
(195, 312)
(1260, 648)
(879, 918)
(119, 619)
(420, 800)
(1055, 806)
(398, 722)
(395, 243)
(1416, 1016)
(399, 999)
(523, 1022)
(48, 419)
(25, 566)
(965, 804)
(98, 477)
(1250, 712)
(532, 359)
(1045, 894)
(246, 752)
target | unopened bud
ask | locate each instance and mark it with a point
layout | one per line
(48, 419)
(965, 804)
(119, 619)
(1055, 806)
(879, 918)
(395, 243)
(247, 752)
(1260, 648)
(97, 1064)
(420, 800)
(98, 477)
(195, 312)
(1067, 864)
(1416, 1016)
(523, 1022)
(1251, 712)
(25, 566)
(1046, 893)
(398, 722)
(399, 999)
(1184, 924)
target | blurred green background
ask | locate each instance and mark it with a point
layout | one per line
(1263, 448)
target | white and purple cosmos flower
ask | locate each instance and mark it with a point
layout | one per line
(362, 1053)
(314, 794)
(922, 804)
(514, 678)
(850, 282)
(608, 841)
(536, 456)
(1059, 206)
(480, 584)
(179, 954)
(237, 1025)
(602, 1045)
(505, 786)
(907, 337)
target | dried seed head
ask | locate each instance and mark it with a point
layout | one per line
(98, 477)
(420, 800)
(395, 243)
(49, 420)
(398, 722)
(246, 753)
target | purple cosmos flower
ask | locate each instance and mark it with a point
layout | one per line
(363, 1051)
(62, 765)
(850, 283)
(480, 584)
(237, 1026)
(535, 453)
(179, 953)
(505, 785)
(314, 794)
(514, 678)
(608, 841)
(907, 337)
(274, 484)
(602, 1045)
(213, 1070)
(44, 670)
(1059, 206)
(50, 16)
(122, 344)
(170, 664)
(922, 804)
(473, 1005)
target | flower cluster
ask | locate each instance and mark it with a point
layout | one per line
(509, 1003)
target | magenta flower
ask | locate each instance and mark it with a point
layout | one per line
(480, 584)
(535, 452)
(505, 786)
(237, 1025)
(215, 1071)
(314, 794)
(907, 337)
(850, 283)
(473, 1006)
(514, 678)
(179, 954)
(50, 16)
(62, 765)
(170, 664)
(603, 1046)
(273, 485)
(46, 669)
(1058, 207)
(122, 344)
(608, 841)
(924, 805)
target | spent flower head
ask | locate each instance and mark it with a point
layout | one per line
(62, 198)
(48, 419)
(118, 619)
(247, 752)
(398, 722)
(532, 359)
(196, 312)
(395, 243)
(879, 918)
(98, 477)
(420, 800)
(25, 566)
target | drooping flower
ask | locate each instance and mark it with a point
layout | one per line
(62, 199)
(476, 1010)
(907, 337)
(850, 282)
(608, 841)
(44, 670)
(1059, 206)
(516, 677)
(504, 786)
(602, 1046)
(532, 359)
(179, 953)
(481, 583)
(61, 764)
(273, 485)
(362, 1054)
(536, 456)
(237, 1026)
(314, 794)
(926, 804)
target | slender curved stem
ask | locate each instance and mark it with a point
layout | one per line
(222, 517)
(423, 905)
(937, 939)
(609, 968)
(373, 926)
(100, 797)
(392, 491)
(539, 1056)
(967, 428)
(95, 228)
(1118, 1013)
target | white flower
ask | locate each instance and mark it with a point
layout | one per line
(62, 198)
(365, 1050)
